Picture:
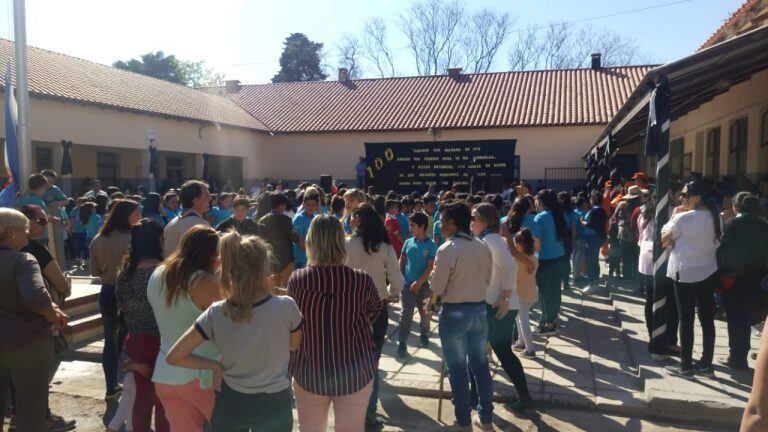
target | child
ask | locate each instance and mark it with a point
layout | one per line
(526, 291)
(222, 211)
(402, 218)
(255, 333)
(124, 412)
(393, 226)
(416, 261)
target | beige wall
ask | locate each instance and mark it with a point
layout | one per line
(747, 99)
(307, 156)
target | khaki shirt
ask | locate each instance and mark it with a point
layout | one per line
(462, 271)
(179, 226)
(107, 255)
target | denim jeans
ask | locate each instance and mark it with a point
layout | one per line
(464, 336)
(113, 335)
(592, 256)
(81, 245)
(379, 336)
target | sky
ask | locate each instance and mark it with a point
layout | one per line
(243, 39)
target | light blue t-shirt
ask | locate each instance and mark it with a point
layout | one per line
(74, 216)
(53, 193)
(402, 220)
(170, 214)
(528, 222)
(301, 225)
(551, 247)
(418, 253)
(219, 215)
(437, 231)
(93, 225)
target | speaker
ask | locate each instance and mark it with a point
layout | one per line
(326, 181)
(496, 183)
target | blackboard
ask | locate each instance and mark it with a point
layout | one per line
(405, 167)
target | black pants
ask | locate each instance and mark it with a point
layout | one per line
(689, 297)
(500, 332)
(629, 258)
(379, 335)
(236, 412)
(742, 306)
(672, 320)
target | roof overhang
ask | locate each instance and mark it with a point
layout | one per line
(693, 81)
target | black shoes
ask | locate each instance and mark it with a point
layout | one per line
(731, 363)
(402, 351)
(424, 343)
(679, 371)
(523, 405)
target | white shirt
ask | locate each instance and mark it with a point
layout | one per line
(692, 258)
(646, 229)
(503, 272)
(381, 266)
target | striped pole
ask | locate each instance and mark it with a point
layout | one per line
(658, 143)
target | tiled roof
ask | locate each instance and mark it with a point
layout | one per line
(60, 76)
(734, 23)
(486, 100)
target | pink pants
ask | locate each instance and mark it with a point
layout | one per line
(187, 406)
(348, 411)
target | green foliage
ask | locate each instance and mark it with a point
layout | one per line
(169, 68)
(300, 60)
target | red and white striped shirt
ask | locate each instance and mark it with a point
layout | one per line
(337, 356)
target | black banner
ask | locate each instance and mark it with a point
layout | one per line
(405, 167)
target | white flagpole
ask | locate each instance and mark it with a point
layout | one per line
(22, 93)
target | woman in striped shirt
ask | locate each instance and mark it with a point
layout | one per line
(336, 361)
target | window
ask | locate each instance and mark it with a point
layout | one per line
(764, 130)
(713, 153)
(174, 168)
(737, 147)
(687, 160)
(516, 168)
(676, 148)
(43, 158)
(106, 168)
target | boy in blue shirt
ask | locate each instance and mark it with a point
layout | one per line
(402, 219)
(416, 263)
(302, 220)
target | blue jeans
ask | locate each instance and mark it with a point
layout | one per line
(592, 256)
(113, 336)
(464, 336)
(81, 245)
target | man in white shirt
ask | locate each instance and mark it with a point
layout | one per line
(195, 201)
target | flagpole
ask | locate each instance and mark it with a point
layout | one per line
(22, 94)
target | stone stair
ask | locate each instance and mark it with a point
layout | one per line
(83, 310)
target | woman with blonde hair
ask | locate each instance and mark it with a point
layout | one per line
(179, 291)
(336, 360)
(255, 332)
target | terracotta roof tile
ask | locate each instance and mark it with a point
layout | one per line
(725, 31)
(57, 76)
(487, 100)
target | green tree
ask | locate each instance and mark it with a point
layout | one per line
(169, 68)
(300, 60)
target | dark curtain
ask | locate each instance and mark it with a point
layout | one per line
(66, 158)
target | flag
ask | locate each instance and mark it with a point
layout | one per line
(8, 194)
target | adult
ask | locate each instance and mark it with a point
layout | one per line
(462, 272)
(152, 208)
(564, 199)
(502, 302)
(360, 172)
(27, 317)
(107, 251)
(553, 234)
(693, 236)
(627, 232)
(239, 220)
(195, 201)
(143, 338)
(310, 206)
(369, 250)
(743, 258)
(95, 190)
(277, 229)
(336, 361)
(255, 332)
(179, 291)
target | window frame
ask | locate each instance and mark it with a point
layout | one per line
(48, 154)
(738, 142)
(713, 152)
(100, 166)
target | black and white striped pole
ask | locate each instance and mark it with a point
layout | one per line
(657, 144)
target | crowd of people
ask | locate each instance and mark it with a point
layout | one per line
(223, 309)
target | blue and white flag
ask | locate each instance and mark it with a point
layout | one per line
(8, 194)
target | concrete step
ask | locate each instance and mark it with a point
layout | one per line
(83, 327)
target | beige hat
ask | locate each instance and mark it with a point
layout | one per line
(634, 192)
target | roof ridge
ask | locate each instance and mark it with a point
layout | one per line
(728, 23)
(640, 66)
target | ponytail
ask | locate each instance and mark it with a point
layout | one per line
(714, 209)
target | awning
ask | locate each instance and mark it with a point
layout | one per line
(693, 81)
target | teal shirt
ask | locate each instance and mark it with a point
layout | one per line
(53, 193)
(301, 225)
(219, 215)
(551, 246)
(418, 254)
(405, 230)
(93, 226)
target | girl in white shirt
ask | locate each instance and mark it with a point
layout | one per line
(501, 298)
(693, 236)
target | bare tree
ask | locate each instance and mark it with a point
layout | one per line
(349, 52)
(559, 45)
(376, 49)
(483, 35)
(433, 29)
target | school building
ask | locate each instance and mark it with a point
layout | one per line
(238, 134)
